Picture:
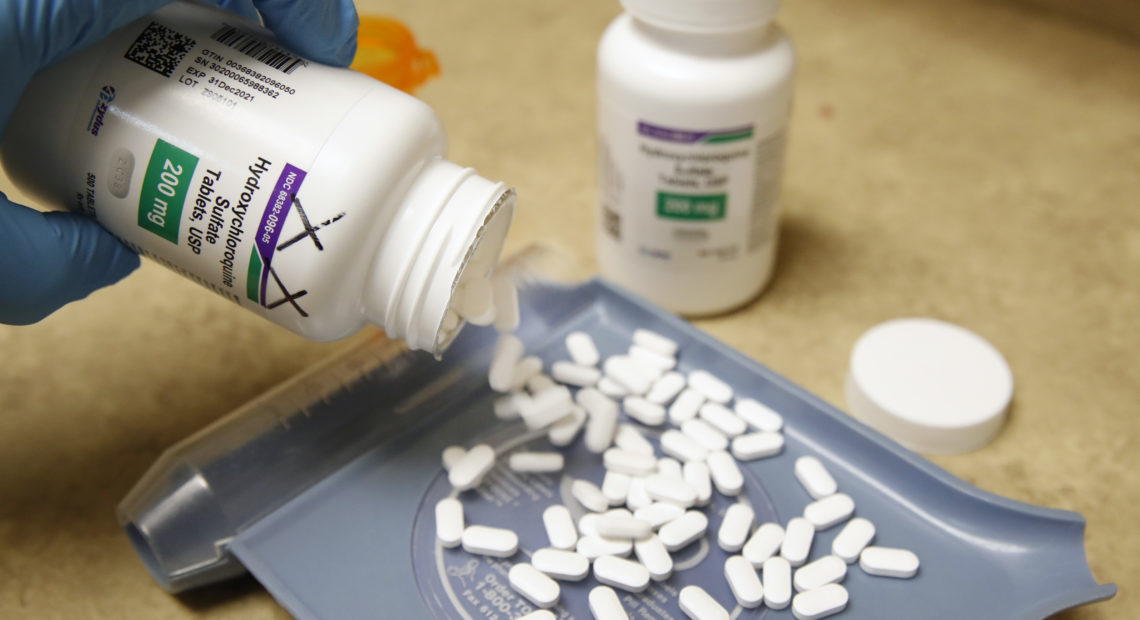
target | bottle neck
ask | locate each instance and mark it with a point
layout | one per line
(446, 213)
(703, 41)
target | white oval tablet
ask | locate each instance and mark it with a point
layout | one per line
(589, 495)
(582, 349)
(765, 542)
(696, 474)
(777, 579)
(594, 547)
(852, 539)
(449, 522)
(934, 387)
(575, 374)
(705, 434)
(757, 445)
(797, 541)
(621, 573)
(710, 386)
(682, 447)
(493, 541)
(468, 472)
(743, 581)
(666, 388)
(651, 552)
(814, 477)
(818, 573)
(678, 533)
(629, 463)
(735, 527)
(889, 562)
(615, 486)
(670, 489)
(654, 341)
(826, 512)
(560, 528)
(535, 586)
(622, 526)
(563, 432)
(644, 411)
(630, 439)
(758, 415)
(535, 462)
(605, 604)
(722, 419)
(725, 473)
(508, 351)
(820, 603)
(700, 605)
(506, 301)
(561, 564)
(452, 455)
(686, 406)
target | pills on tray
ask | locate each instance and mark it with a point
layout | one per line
(852, 539)
(829, 511)
(605, 604)
(678, 533)
(655, 342)
(710, 386)
(449, 522)
(710, 432)
(735, 527)
(757, 446)
(820, 603)
(814, 477)
(621, 573)
(743, 581)
(561, 564)
(539, 614)
(700, 605)
(560, 528)
(493, 541)
(652, 554)
(468, 471)
(534, 585)
(797, 541)
(582, 349)
(889, 562)
(589, 495)
(818, 573)
(776, 575)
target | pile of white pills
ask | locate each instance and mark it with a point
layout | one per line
(651, 505)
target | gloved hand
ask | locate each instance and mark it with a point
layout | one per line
(50, 259)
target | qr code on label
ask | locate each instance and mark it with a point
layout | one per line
(159, 49)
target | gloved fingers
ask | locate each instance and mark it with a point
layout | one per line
(244, 8)
(51, 259)
(323, 31)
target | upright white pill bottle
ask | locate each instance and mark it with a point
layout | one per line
(315, 196)
(693, 104)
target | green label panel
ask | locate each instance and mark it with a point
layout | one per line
(686, 207)
(164, 190)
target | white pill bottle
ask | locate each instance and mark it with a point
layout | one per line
(315, 196)
(693, 104)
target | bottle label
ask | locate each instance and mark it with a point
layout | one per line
(687, 196)
(196, 152)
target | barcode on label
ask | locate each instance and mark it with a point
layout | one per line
(259, 50)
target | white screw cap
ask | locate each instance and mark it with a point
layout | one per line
(934, 387)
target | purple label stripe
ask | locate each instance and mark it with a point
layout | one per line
(273, 220)
(684, 136)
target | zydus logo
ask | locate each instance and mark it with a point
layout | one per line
(106, 96)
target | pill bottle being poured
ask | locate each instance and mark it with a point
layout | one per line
(315, 196)
(693, 104)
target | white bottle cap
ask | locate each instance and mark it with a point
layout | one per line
(704, 15)
(934, 387)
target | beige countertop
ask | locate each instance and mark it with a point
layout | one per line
(973, 161)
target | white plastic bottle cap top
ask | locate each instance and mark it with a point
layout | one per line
(703, 15)
(932, 386)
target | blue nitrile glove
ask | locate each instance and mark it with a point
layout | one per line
(50, 259)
